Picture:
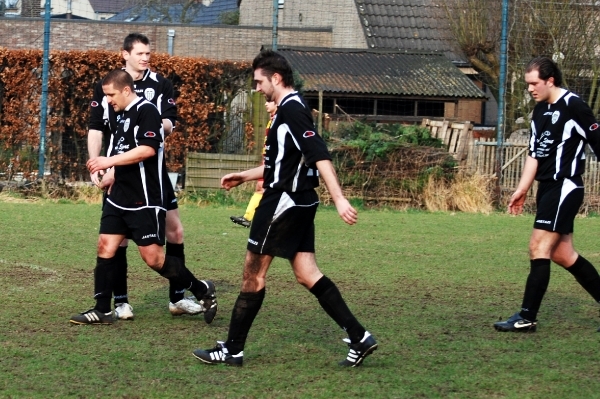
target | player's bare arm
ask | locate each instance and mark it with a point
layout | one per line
(94, 142)
(515, 204)
(136, 155)
(232, 180)
(345, 210)
(167, 126)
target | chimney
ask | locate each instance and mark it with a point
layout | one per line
(30, 8)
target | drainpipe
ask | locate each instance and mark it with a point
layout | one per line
(170, 39)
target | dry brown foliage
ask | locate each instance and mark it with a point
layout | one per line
(465, 192)
(204, 90)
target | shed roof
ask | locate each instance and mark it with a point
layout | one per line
(380, 72)
(408, 25)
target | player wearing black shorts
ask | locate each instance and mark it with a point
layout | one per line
(283, 224)
(562, 125)
(135, 202)
(159, 91)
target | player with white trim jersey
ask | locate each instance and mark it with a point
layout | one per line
(562, 125)
(283, 224)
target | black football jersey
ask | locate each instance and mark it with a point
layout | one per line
(293, 147)
(138, 185)
(152, 86)
(559, 134)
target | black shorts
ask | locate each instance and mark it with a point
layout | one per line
(557, 204)
(284, 224)
(145, 226)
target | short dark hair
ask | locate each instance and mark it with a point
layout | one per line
(546, 69)
(272, 62)
(120, 79)
(134, 38)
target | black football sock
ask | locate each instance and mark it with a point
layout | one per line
(104, 276)
(175, 271)
(120, 284)
(586, 275)
(176, 293)
(334, 305)
(535, 288)
(244, 312)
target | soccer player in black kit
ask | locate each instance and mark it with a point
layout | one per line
(159, 91)
(135, 205)
(283, 225)
(562, 125)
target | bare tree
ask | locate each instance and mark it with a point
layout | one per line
(566, 30)
(176, 11)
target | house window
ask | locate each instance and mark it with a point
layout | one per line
(355, 106)
(395, 107)
(430, 108)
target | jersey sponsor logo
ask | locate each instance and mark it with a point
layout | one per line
(149, 93)
(555, 117)
(308, 134)
(171, 101)
(543, 221)
(148, 236)
(594, 127)
(149, 134)
(94, 104)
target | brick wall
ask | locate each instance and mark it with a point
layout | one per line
(213, 42)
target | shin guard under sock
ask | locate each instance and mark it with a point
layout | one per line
(587, 276)
(244, 312)
(176, 292)
(535, 288)
(120, 283)
(334, 305)
(104, 276)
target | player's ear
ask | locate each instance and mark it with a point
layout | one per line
(551, 80)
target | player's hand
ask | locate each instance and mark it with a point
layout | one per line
(346, 211)
(231, 180)
(98, 164)
(107, 181)
(515, 204)
(96, 177)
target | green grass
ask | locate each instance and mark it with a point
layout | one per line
(427, 285)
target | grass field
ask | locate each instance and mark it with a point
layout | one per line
(427, 285)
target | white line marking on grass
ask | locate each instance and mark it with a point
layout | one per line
(56, 277)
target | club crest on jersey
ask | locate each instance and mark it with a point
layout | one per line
(308, 134)
(149, 134)
(126, 125)
(149, 94)
(594, 127)
(94, 104)
(555, 116)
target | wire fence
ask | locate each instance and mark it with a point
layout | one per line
(467, 32)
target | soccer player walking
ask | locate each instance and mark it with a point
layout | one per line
(561, 126)
(283, 224)
(158, 90)
(135, 205)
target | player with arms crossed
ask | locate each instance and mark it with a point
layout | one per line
(134, 206)
(159, 91)
(561, 126)
(283, 224)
